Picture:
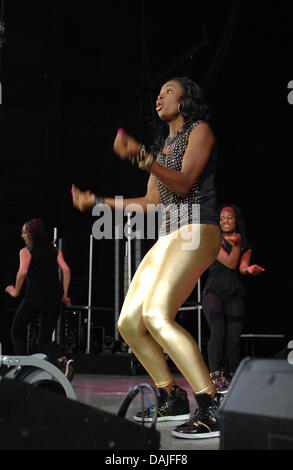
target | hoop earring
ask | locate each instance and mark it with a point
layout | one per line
(179, 110)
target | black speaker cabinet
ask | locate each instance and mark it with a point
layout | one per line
(257, 412)
(34, 419)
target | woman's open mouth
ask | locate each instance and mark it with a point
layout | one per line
(159, 106)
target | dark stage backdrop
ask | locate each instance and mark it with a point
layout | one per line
(71, 76)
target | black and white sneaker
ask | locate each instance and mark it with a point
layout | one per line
(170, 408)
(205, 423)
(222, 385)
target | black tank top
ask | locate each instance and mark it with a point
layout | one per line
(42, 280)
(225, 280)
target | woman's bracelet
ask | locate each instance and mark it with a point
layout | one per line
(140, 160)
(147, 163)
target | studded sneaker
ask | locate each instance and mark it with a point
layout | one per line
(170, 408)
(205, 423)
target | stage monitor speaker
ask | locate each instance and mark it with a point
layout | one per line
(33, 419)
(257, 412)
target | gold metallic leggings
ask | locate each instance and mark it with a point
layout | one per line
(163, 281)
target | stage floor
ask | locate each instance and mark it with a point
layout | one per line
(107, 392)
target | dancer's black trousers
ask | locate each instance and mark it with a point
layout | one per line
(225, 317)
(29, 311)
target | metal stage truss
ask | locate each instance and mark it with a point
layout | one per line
(89, 308)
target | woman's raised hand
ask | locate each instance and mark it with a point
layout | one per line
(234, 239)
(82, 200)
(125, 146)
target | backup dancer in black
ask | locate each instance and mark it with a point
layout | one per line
(224, 297)
(38, 266)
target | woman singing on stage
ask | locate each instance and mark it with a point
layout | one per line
(182, 172)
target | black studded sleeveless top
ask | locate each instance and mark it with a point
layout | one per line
(199, 206)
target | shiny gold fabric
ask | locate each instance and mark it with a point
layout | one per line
(161, 284)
